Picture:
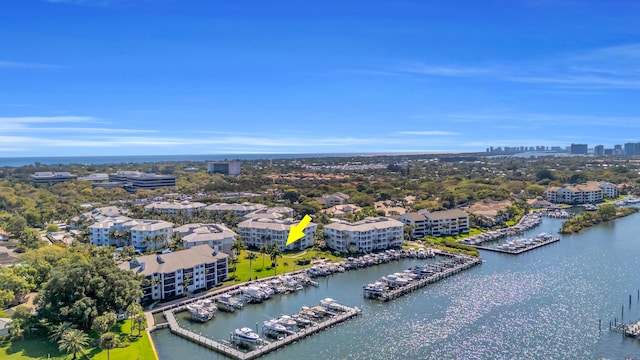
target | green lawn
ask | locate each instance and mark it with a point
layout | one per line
(287, 263)
(40, 348)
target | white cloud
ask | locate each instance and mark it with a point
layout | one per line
(27, 65)
(421, 68)
(427, 133)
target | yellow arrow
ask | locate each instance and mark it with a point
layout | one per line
(295, 232)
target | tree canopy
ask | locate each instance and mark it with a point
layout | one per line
(79, 292)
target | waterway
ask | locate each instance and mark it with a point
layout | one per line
(542, 304)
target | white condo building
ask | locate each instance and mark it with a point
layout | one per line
(123, 231)
(238, 209)
(263, 231)
(170, 275)
(365, 236)
(591, 192)
(217, 236)
(174, 208)
(437, 223)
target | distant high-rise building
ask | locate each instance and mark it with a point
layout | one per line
(579, 149)
(632, 148)
(224, 167)
(598, 150)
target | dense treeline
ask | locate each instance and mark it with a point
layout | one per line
(588, 219)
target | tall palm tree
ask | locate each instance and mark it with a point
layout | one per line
(109, 341)
(73, 341)
(56, 331)
(274, 254)
(251, 256)
(264, 249)
(16, 328)
(238, 246)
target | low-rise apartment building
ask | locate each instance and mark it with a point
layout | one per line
(174, 274)
(279, 212)
(437, 223)
(175, 208)
(123, 231)
(238, 209)
(589, 193)
(256, 232)
(364, 236)
(217, 236)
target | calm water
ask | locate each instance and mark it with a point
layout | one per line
(543, 304)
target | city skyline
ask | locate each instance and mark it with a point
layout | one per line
(121, 77)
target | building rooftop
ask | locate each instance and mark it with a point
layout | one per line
(184, 205)
(270, 224)
(447, 214)
(367, 224)
(170, 262)
(204, 232)
(246, 206)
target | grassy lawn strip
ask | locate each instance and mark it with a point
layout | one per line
(287, 263)
(41, 348)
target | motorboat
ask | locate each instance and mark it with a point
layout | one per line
(286, 321)
(272, 325)
(246, 335)
(331, 304)
(394, 280)
(301, 320)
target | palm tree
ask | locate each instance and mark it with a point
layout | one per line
(56, 331)
(109, 341)
(264, 249)
(16, 328)
(274, 254)
(238, 246)
(73, 341)
(133, 310)
(251, 256)
(139, 321)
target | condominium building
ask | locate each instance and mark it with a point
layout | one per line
(50, 177)
(339, 211)
(279, 212)
(224, 167)
(334, 199)
(449, 222)
(174, 274)
(419, 223)
(364, 236)
(263, 231)
(238, 209)
(174, 208)
(217, 236)
(437, 223)
(591, 192)
(124, 231)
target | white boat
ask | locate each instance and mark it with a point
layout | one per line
(301, 320)
(331, 304)
(246, 335)
(286, 321)
(253, 292)
(394, 280)
(272, 325)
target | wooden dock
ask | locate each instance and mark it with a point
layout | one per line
(395, 293)
(516, 252)
(253, 354)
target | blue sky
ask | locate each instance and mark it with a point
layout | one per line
(136, 77)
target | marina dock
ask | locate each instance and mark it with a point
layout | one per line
(259, 351)
(519, 251)
(391, 294)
